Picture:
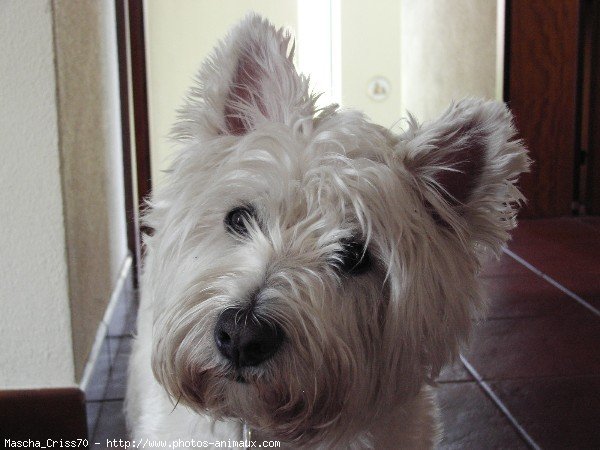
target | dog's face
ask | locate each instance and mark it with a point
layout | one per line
(309, 269)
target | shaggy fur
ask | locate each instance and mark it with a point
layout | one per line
(360, 349)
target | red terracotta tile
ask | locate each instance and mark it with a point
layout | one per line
(557, 413)
(564, 229)
(568, 253)
(589, 251)
(472, 421)
(586, 285)
(593, 221)
(561, 259)
(580, 275)
(526, 295)
(556, 345)
(558, 247)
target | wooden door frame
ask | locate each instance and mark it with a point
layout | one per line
(552, 131)
(592, 188)
(137, 172)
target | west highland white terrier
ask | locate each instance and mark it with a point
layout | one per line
(309, 272)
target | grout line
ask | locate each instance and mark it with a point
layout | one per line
(95, 427)
(490, 393)
(103, 326)
(530, 378)
(121, 336)
(106, 387)
(437, 382)
(553, 282)
(108, 400)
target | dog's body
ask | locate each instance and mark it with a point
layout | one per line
(310, 273)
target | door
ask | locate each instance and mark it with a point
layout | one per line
(541, 87)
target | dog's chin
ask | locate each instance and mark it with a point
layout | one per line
(264, 403)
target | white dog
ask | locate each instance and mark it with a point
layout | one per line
(310, 273)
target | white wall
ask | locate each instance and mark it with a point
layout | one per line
(35, 330)
(178, 40)
(448, 51)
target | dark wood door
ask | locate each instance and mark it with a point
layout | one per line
(591, 131)
(541, 78)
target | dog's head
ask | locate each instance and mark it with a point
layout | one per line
(309, 269)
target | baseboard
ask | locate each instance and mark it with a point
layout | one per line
(32, 417)
(41, 414)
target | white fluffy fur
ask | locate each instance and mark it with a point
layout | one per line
(360, 350)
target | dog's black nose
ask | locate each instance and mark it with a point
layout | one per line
(245, 339)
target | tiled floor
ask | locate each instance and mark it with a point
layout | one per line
(531, 377)
(106, 389)
(538, 352)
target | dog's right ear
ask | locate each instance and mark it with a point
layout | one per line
(248, 80)
(465, 167)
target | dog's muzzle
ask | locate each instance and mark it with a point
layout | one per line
(245, 339)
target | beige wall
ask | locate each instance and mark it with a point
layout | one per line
(430, 51)
(61, 186)
(178, 40)
(370, 47)
(90, 138)
(364, 37)
(35, 325)
(448, 51)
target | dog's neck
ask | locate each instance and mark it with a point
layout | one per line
(413, 425)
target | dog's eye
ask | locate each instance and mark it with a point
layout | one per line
(237, 219)
(354, 258)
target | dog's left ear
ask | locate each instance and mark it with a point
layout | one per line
(465, 165)
(249, 79)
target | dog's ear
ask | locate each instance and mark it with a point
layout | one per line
(465, 165)
(249, 79)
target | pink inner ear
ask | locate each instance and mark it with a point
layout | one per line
(467, 166)
(244, 95)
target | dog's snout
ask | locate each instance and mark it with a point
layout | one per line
(245, 339)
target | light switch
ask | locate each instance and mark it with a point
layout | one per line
(378, 89)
